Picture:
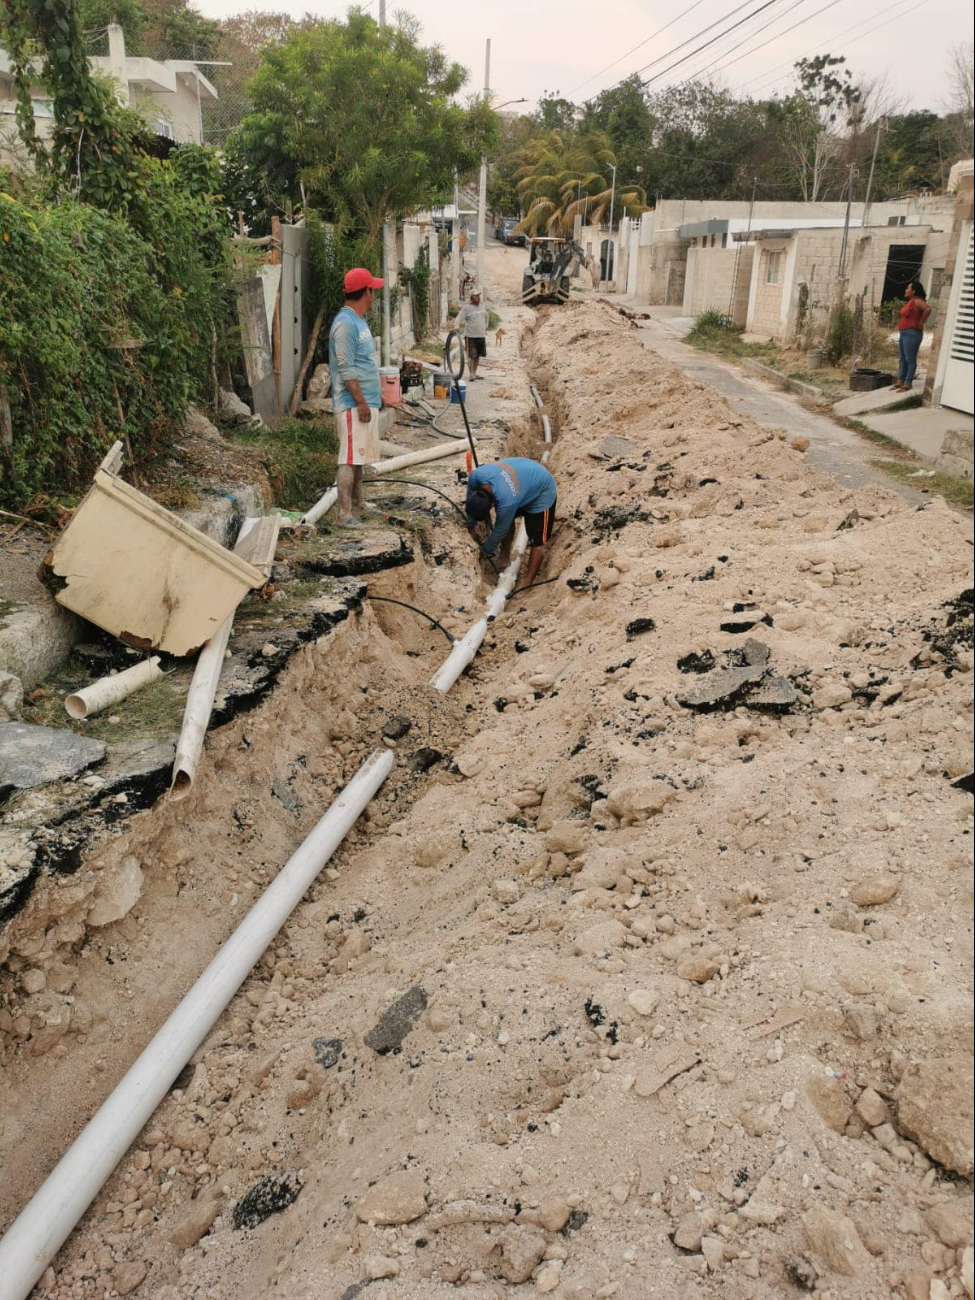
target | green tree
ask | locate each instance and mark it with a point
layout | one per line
(829, 98)
(623, 114)
(914, 154)
(555, 113)
(360, 122)
(560, 176)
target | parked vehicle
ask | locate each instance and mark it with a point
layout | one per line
(507, 232)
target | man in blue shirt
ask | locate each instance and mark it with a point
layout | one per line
(356, 394)
(514, 488)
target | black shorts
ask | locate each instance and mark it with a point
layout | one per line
(477, 347)
(539, 526)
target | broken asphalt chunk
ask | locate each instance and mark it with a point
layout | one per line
(724, 689)
(397, 1021)
(268, 1196)
(638, 626)
(32, 755)
(327, 1051)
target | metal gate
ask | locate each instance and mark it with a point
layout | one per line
(957, 390)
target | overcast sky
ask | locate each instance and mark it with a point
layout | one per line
(564, 45)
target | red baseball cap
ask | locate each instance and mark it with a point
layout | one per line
(360, 278)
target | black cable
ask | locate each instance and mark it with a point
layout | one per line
(532, 585)
(409, 483)
(748, 17)
(388, 600)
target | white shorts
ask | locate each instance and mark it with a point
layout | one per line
(358, 442)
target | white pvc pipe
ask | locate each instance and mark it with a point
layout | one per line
(546, 429)
(35, 1236)
(109, 690)
(321, 507)
(325, 503)
(199, 706)
(536, 396)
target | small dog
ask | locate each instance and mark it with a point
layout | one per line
(498, 337)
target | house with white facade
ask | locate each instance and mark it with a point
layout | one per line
(170, 93)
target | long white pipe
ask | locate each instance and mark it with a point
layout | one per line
(325, 503)
(34, 1238)
(199, 706)
(109, 690)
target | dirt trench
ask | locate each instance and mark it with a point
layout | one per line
(659, 986)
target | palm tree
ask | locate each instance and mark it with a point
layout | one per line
(560, 175)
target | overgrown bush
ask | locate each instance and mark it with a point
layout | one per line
(839, 335)
(108, 325)
(710, 322)
(299, 456)
(888, 313)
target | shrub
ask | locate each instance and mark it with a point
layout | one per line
(888, 313)
(299, 456)
(107, 324)
(710, 322)
(839, 335)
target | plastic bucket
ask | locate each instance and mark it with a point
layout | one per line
(390, 386)
(441, 384)
(457, 397)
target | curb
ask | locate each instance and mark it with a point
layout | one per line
(790, 385)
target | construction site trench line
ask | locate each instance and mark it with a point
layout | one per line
(45, 1223)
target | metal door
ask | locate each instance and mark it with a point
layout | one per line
(957, 390)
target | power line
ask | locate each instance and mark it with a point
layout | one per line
(718, 57)
(691, 39)
(653, 36)
(764, 79)
(657, 75)
(777, 36)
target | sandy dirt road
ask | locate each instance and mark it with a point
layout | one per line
(658, 984)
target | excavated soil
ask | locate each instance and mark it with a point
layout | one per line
(617, 995)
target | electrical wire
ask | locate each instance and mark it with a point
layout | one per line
(532, 585)
(691, 39)
(410, 483)
(388, 600)
(657, 75)
(639, 46)
(765, 79)
(714, 67)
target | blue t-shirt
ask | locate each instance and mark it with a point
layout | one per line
(520, 487)
(351, 355)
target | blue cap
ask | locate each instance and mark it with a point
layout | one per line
(477, 505)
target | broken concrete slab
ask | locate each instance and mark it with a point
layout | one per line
(396, 1022)
(372, 551)
(615, 448)
(31, 756)
(773, 695)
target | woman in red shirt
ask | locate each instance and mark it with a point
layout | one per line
(910, 329)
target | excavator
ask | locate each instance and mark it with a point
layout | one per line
(550, 267)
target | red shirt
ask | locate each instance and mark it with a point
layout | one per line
(911, 313)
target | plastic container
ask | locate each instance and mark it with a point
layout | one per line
(814, 359)
(389, 385)
(441, 385)
(458, 392)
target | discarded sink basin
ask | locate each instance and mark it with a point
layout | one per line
(133, 568)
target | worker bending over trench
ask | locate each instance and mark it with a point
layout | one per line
(516, 488)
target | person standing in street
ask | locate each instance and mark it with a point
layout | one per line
(474, 318)
(356, 392)
(910, 331)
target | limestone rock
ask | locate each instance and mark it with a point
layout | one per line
(643, 1001)
(799, 442)
(830, 1101)
(197, 1221)
(380, 1266)
(833, 1241)
(640, 798)
(934, 1107)
(601, 869)
(699, 969)
(117, 894)
(968, 1271)
(129, 1276)
(951, 1222)
(553, 1213)
(761, 1212)
(831, 696)
(875, 890)
(871, 1108)
(522, 1249)
(688, 1233)
(397, 1198)
(566, 837)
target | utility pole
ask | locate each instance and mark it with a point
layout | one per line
(482, 183)
(734, 278)
(846, 222)
(873, 162)
(455, 254)
(610, 257)
(387, 324)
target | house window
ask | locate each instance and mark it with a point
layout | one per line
(773, 267)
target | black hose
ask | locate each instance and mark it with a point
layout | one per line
(532, 585)
(388, 600)
(457, 378)
(410, 483)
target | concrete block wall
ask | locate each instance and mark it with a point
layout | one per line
(765, 316)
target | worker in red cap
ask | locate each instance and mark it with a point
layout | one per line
(356, 394)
